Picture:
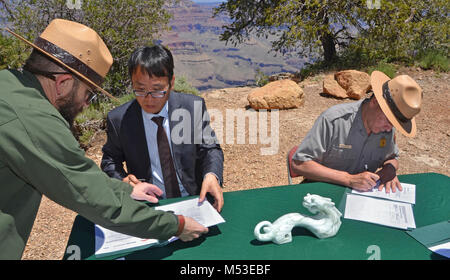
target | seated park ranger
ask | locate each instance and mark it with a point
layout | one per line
(349, 142)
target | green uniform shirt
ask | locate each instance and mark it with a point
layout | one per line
(39, 155)
(339, 140)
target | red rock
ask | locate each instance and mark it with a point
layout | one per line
(282, 94)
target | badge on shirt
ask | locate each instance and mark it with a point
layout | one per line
(382, 142)
(343, 146)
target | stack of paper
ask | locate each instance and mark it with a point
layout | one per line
(392, 209)
(435, 237)
(203, 213)
(108, 242)
(407, 195)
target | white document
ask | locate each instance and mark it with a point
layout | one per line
(442, 249)
(408, 194)
(108, 242)
(383, 212)
(203, 213)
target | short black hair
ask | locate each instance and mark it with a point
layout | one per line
(156, 61)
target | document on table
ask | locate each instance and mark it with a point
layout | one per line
(436, 237)
(108, 242)
(378, 211)
(203, 213)
(408, 194)
(442, 249)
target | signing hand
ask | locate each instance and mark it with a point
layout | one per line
(211, 185)
(364, 181)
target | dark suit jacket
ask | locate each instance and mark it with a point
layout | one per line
(193, 158)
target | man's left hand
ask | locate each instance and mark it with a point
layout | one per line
(391, 186)
(211, 185)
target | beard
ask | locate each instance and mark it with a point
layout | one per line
(68, 108)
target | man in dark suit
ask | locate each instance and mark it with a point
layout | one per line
(163, 137)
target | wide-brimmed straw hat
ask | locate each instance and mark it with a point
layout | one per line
(400, 100)
(77, 48)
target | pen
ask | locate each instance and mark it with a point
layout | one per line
(378, 181)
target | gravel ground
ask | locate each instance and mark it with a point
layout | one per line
(246, 168)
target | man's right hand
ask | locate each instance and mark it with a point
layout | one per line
(131, 179)
(192, 230)
(142, 190)
(364, 181)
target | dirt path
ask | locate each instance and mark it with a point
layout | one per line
(246, 168)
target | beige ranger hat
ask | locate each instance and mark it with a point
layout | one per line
(76, 47)
(400, 100)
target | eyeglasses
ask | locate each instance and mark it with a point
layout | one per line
(92, 97)
(154, 94)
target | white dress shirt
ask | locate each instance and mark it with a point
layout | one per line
(151, 129)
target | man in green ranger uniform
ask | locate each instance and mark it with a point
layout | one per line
(39, 155)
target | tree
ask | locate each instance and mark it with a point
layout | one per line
(12, 53)
(123, 25)
(400, 30)
(332, 27)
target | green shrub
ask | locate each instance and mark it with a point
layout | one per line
(387, 68)
(12, 53)
(85, 137)
(181, 85)
(261, 79)
(93, 117)
(434, 59)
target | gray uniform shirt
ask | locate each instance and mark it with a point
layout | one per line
(339, 140)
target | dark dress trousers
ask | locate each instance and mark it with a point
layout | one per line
(195, 150)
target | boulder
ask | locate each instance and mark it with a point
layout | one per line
(356, 83)
(331, 87)
(283, 76)
(282, 94)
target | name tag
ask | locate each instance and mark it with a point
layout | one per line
(343, 146)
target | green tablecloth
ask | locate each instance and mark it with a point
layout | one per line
(234, 239)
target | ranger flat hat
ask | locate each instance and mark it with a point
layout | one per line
(77, 48)
(400, 100)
